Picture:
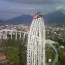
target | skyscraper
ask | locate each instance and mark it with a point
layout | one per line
(36, 41)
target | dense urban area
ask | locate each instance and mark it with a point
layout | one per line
(13, 52)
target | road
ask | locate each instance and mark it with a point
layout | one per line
(56, 54)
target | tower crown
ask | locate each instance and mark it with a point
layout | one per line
(37, 15)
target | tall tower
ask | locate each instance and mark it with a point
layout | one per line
(36, 41)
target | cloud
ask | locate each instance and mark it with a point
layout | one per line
(60, 7)
(39, 1)
(12, 8)
(32, 1)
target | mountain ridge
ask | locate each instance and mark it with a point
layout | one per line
(23, 19)
(50, 18)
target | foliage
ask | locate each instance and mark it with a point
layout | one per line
(15, 51)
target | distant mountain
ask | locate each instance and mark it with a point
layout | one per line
(54, 17)
(1, 22)
(24, 19)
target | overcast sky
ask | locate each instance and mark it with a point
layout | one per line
(14, 8)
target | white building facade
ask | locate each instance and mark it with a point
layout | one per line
(36, 42)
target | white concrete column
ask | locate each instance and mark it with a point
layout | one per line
(11, 34)
(16, 36)
(6, 34)
(24, 35)
(0, 35)
(20, 34)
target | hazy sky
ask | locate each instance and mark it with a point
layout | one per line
(13, 8)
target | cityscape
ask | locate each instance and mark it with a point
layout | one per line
(32, 32)
(13, 38)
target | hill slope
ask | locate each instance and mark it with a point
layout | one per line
(54, 17)
(24, 19)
